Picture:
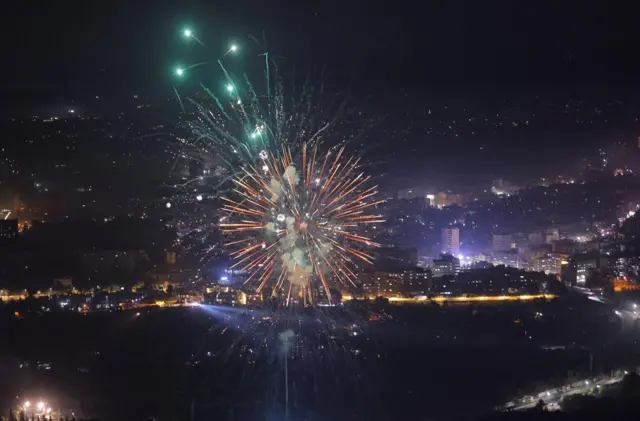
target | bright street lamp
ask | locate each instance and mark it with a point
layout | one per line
(187, 33)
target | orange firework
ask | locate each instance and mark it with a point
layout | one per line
(294, 221)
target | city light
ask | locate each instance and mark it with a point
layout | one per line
(40, 405)
(464, 298)
(199, 198)
(27, 404)
(168, 205)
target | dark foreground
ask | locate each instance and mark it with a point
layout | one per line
(363, 363)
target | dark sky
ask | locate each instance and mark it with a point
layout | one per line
(402, 57)
(59, 46)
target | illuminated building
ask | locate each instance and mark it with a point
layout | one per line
(621, 285)
(583, 269)
(626, 266)
(416, 282)
(381, 284)
(430, 198)
(510, 258)
(550, 264)
(445, 265)
(450, 241)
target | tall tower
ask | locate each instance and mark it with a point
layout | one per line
(450, 241)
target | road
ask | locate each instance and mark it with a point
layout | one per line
(553, 397)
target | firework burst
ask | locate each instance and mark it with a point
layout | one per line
(293, 221)
(296, 209)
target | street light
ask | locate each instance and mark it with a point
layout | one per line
(27, 404)
(40, 405)
(233, 48)
(230, 88)
(187, 33)
(180, 71)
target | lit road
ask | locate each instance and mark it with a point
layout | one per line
(553, 397)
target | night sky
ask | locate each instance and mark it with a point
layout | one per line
(399, 60)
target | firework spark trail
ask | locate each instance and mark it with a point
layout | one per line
(240, 123)
(296, 208)
(310, 221)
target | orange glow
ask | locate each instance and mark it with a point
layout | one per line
(464, 299)
(621, 284)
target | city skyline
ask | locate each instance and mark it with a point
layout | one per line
(306, 210)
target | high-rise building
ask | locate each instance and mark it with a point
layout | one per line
(450, 241)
